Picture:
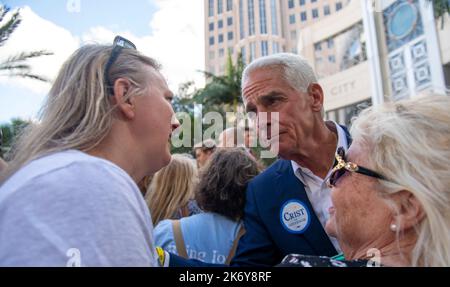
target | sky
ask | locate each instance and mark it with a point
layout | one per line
(171, 31)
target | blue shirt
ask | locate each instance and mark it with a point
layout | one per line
(208, 236)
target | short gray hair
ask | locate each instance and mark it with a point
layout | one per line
(296, 69)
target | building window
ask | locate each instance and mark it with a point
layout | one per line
(293, 34)
(262, 17)
(220, 24)
(221, 52)
(212, 69)
(291, 4)
(211, 41)
(330, 43)
(294, 50)
(338, 6)
(252, 51)
(273, 8)
(275, 48)
(211, 55)
(219, 6)
(230, 50)
(331, 59)
(312, 1)
(230, 21)
(244, 55)
(230, 36)
(241, 19)
(229, 5)
(301, 2)
(220, 38)
(251, 18)
(211, 8)
(291, 19)
(317, 47)
(315, 13)
(264, 48)
(326, 10)
(303, 16)
(211, 26)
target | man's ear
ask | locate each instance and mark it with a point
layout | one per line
(316, 93)
(125, 105)
(409, 212)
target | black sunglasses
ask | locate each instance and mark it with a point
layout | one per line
(118, 44)
(342, 166)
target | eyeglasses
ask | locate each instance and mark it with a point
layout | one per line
(343, 166)
(118, 44)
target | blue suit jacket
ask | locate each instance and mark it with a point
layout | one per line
(266, 240)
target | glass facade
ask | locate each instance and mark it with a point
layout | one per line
(273, 8)
(262, 17)
(241, 19)
(264, 48)
(252, 51)
(219, 6)
(211, 8)
(229, 5)
(251, 18)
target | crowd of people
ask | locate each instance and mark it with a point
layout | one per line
(95, 175)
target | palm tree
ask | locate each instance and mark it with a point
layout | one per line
(222, 93)
(16, 66)
(440, 7)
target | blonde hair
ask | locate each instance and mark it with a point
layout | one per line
(78, 110)
(409, 142)
(172, 187)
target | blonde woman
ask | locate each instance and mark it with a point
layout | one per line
(391, 191)
(171, 193)
(69, 195)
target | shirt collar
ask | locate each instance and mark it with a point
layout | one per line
(341, 142)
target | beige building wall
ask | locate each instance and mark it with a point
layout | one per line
(287, 14)
(341, 88)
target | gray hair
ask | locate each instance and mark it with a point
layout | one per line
(410, 142)
(296, 69)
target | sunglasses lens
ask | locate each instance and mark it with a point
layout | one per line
(336, 175)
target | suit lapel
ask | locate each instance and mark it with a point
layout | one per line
(290, 187)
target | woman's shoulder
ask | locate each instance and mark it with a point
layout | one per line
(297, 260)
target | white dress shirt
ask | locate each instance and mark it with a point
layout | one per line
(316, 188)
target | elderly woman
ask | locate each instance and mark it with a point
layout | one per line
(391, 190)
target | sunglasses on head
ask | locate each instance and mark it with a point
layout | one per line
(119, 44)
(342, 166)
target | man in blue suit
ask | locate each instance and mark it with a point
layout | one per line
(287, 205)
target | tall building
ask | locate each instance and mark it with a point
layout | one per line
(257, 28)
(364, 52)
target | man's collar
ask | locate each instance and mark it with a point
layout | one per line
(341, 142)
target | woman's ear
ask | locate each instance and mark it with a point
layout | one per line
(125, 105)
(410, 211)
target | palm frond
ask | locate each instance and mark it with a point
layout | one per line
(8, 28)
(25, 56)
(30, 76)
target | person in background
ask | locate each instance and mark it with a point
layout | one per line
(212, 236)
(391, 191)
(203, 151)
(171, 192)
(2, 162)
(69, 195)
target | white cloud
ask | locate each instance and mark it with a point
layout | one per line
(175, 39)
(36, 33)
